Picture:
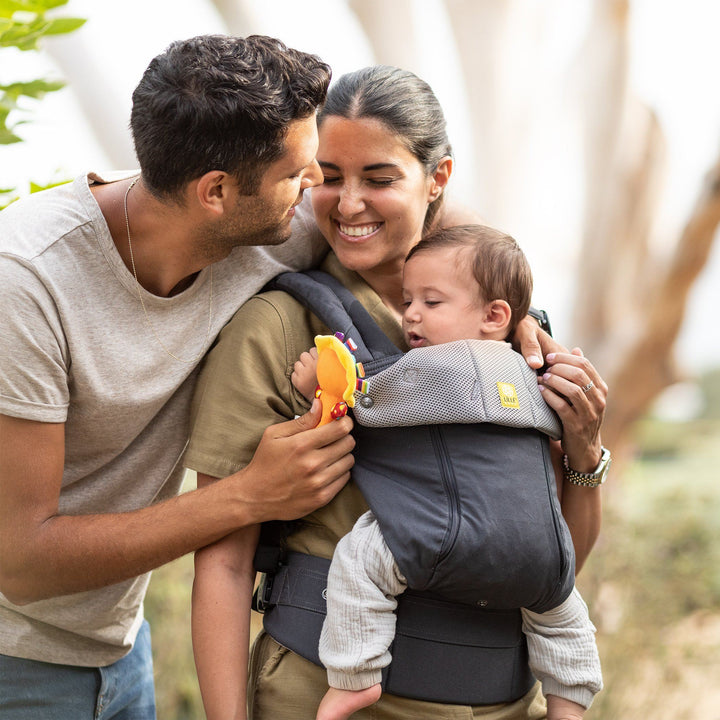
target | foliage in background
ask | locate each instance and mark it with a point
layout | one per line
(652, 583)
(23, 23)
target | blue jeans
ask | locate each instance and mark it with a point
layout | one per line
(32, 690)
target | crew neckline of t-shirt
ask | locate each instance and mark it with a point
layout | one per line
(110, 252)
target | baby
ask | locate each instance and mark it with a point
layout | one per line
(468, 282)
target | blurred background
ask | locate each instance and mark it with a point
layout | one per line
(587, 129)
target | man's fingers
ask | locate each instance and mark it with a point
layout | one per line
(322, 435)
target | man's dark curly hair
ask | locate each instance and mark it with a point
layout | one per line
(216, 102)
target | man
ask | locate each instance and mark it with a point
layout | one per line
(111, 294)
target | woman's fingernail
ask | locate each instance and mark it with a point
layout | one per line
(535, 359)
(546, 376)
(551, 356)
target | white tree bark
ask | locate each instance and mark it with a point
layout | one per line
(390, 30)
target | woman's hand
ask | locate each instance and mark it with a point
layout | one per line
(533, 343)
(573, 388)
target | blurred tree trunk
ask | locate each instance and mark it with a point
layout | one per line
(382, 22)
(238, 15)
(647, 365)
(630, 302)
(106, 116)
(480, 28)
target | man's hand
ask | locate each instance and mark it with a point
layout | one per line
(533, 343)
(297, 467)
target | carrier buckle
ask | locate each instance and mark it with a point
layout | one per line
(261, 597)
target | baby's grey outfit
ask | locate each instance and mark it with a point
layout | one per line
(360, 624)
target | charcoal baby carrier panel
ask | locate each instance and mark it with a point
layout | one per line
(468, 507)
(474, 489)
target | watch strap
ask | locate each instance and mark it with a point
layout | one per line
(592, 479)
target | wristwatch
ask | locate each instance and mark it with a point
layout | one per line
(591, 479)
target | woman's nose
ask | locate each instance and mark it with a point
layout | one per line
(350, 201)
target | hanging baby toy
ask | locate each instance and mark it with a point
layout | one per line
(338, 375)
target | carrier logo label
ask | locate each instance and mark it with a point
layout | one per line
(508, 395)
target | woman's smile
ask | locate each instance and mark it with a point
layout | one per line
(355, 232)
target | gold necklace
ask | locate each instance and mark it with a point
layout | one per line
(142, 302)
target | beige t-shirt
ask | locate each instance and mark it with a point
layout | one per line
(77, 348)
(245, 386)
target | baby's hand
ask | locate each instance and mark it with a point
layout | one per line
(304, 376)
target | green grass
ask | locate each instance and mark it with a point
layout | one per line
(653, 580)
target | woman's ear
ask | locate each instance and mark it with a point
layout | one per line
(440, 178)
(496, 319)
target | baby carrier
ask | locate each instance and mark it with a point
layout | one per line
(467, 505)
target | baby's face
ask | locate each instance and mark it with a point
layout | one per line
(441, 298)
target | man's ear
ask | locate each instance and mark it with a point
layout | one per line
(496, 316)
(213, 190)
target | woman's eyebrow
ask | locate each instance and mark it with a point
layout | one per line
(380, 166)
(367, 168)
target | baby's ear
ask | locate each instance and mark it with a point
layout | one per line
(496, 318)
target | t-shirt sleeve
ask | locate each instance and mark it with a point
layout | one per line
(305, 230)
(34, 382)
(244, 387)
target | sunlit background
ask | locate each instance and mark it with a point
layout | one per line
(674, 64)
(653, 582)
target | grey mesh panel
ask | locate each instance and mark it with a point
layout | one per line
(456, 382)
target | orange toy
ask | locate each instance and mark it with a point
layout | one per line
(337, 375)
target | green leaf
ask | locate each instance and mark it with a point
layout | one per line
(7, 104)
(8, 137)
(33, 88)
(63, 25)
(35, 6)
(34, 187)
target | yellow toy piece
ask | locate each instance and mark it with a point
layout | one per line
(337, 377)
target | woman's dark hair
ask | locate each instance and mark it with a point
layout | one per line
(499, 265)
(216, 102)
(403, 102)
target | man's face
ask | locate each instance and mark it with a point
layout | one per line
(264, 218)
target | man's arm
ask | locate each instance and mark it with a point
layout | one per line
(295, 469)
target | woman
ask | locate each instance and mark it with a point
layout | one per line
(386, 162)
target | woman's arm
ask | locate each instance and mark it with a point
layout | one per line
(221, 596)
(581, 508)
(575, 390)
(243, 389)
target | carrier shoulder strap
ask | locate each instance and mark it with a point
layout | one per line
(341, 311)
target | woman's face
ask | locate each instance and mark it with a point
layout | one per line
(372, 204)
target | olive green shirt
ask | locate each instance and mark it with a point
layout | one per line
(245, 386)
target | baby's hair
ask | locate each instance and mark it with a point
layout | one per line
(499, 265)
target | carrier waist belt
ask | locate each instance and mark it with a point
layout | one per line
(443, 652)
